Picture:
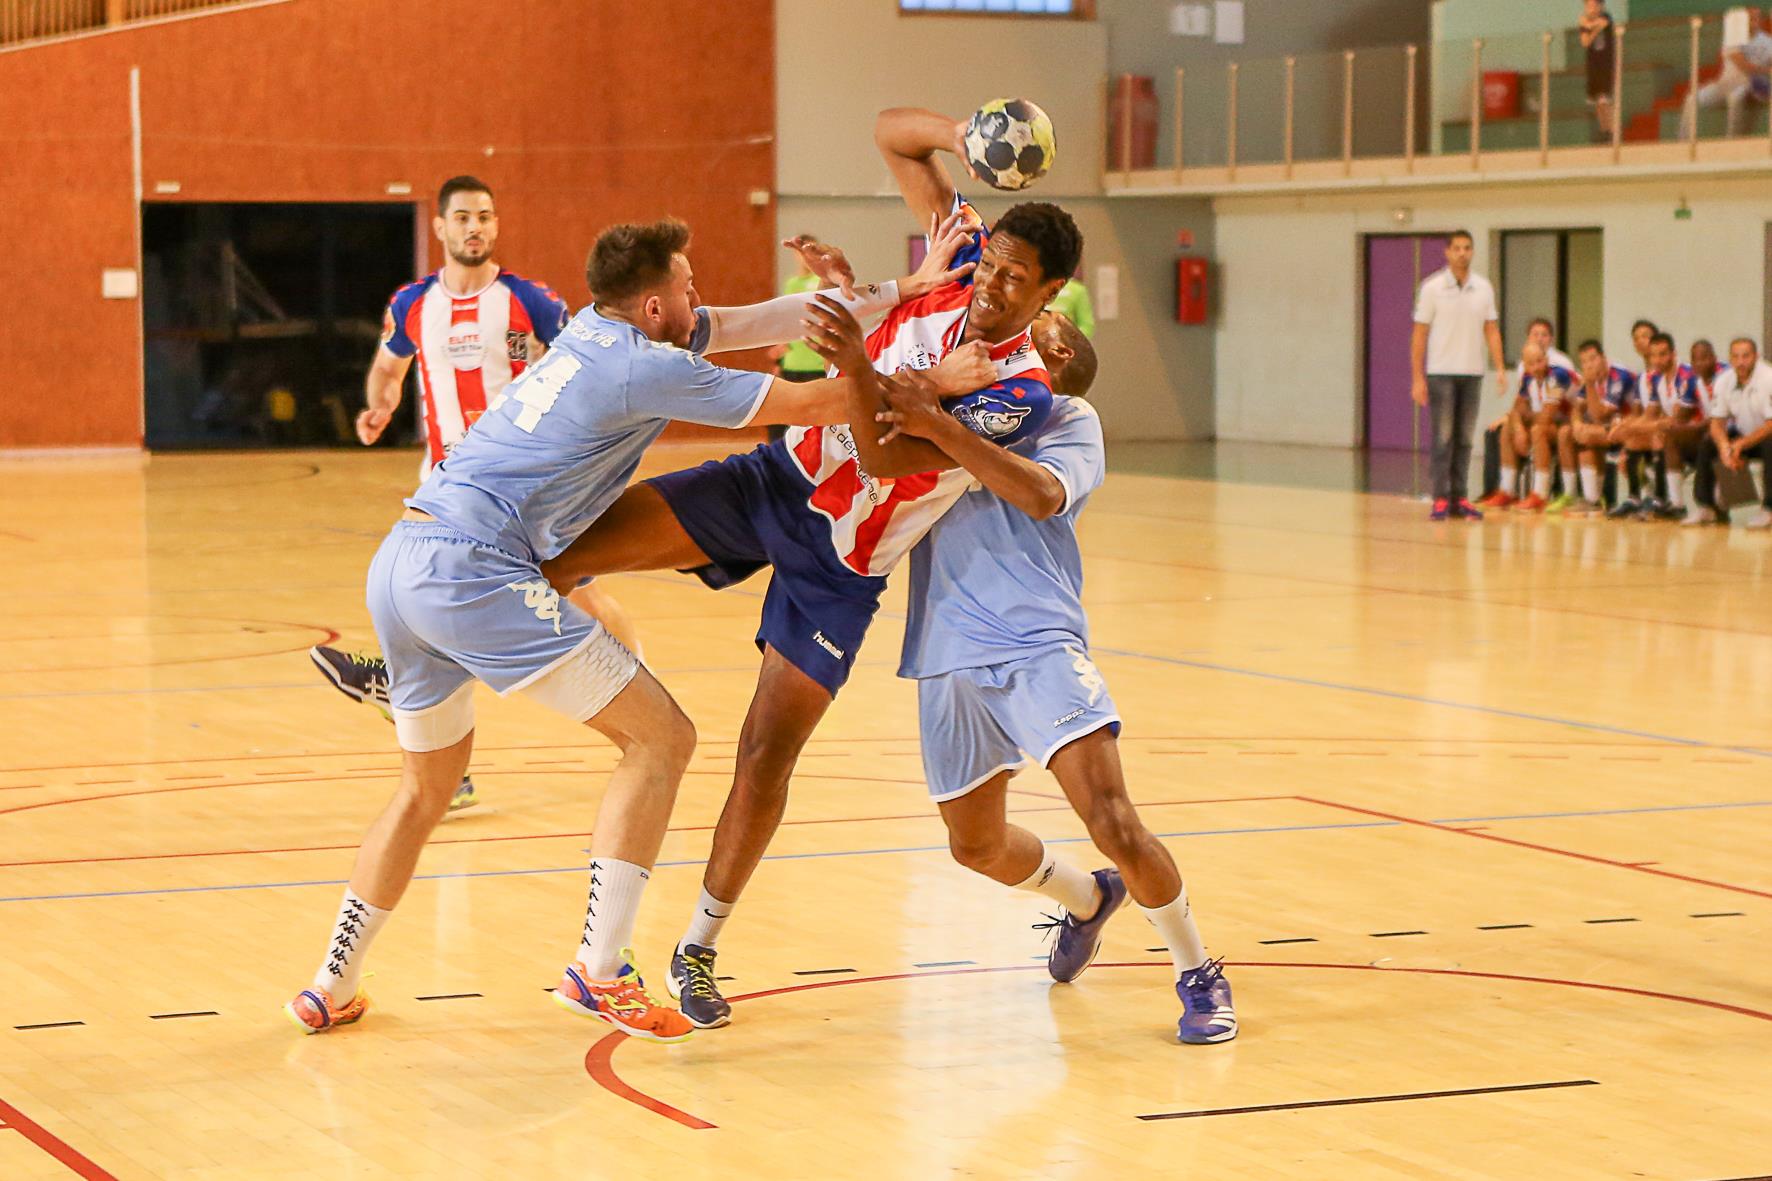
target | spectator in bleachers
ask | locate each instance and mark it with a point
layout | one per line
(1740, 430)
(1593, 427)
(1598, 39)
(1746, 73)
(1668, 395)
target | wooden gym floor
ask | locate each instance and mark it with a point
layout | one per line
(1479, 816)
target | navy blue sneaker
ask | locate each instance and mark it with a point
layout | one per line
(1080, 939)
(1206, 1013)
(691, 983)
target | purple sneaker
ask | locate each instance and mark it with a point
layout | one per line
(1080, 939)
(1467, 511)
(1206, 1013)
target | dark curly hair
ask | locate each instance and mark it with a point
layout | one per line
(1050, 231)
(629, 259)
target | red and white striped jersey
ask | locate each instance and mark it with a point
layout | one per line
(875, 522)
(469, 347)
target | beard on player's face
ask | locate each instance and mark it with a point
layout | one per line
(471, 251)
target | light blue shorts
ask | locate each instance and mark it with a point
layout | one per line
(449, 611)
(979, 721)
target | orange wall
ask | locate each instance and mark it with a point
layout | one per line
(594, 110)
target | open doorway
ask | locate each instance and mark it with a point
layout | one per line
(260, 319)
(1557, 274)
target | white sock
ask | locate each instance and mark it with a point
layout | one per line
(341, 973)
(609, 915)
(1510, 480)
(1569, 481)
(1065, 884)
(1541, 484)
(710, 915)
(1590, 484)
(1676, 488)
(1175, 924)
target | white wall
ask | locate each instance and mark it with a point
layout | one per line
(1288, 359)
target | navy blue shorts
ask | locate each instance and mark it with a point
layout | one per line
(749, 511)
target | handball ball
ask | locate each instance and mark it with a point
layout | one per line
(1009, 143)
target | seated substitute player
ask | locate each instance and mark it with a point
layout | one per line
(1740, 429)
(1541, 404)
(457, 595)
(998, 644)
(1668, 393)
(832, 510)
(472, 327)
(1593, 426)
(1496, 452)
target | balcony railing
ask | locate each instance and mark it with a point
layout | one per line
(1502, 103)
(23, 21)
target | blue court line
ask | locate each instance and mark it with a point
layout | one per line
(1208, 832)
(1395, 695)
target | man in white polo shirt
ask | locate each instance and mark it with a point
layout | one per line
(1740, 430)
(1456, 322)
(1746, 71)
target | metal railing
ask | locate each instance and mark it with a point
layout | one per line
(1523, 95)
(23, 21)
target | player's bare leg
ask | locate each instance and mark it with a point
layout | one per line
(607, 610)
(786, 709)
(1541, 441)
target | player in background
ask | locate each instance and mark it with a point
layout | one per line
(457, 595)
(472, 327)
(1668, 393)
(832, 510)
(1498, 449)
(1541, 401)
(998, 643)
(1740, 429)
(1593, 427)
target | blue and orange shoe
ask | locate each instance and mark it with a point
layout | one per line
(1206, 1012)
(1441, 507)
(622, 1002)
(1079, 940)
(314, 1011)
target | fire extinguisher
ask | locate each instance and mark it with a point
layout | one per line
(1193, 300)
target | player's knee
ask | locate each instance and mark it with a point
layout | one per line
(675, 741)
(765, 764)
(976, 849)
(1114, 827)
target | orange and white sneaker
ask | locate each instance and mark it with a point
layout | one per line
(314, 1011)
(1532, 504)
(622, 1002)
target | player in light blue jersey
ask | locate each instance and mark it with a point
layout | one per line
(457, 596)
(998, 644)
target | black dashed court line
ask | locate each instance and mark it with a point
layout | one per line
(1505, 927)
(450, 996)
(1582, 1082)
(1277, 942)
(1720, 914)
(50, 1025)
(726, 978)
(195, 1013)
(1596, 922)
(824, 971)
(947, 964)
(1394, 934)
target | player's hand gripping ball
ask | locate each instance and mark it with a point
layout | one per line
(1009, 143)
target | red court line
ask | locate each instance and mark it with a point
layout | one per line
(49, 1142)
(599, 1061)
(1489, 836)
(550, 836)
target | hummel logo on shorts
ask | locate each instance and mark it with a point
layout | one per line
(818, 638)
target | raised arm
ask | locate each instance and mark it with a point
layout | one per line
(909, 139)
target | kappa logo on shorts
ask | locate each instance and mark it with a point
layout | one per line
(1070, 717)
(540, 598)
(1088, 675)
(818, 638)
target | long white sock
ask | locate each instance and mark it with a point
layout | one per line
(1175, 924)
(1510, 480)
(341, 972)
(1541, 483)
(616, 887)
(710, 916)
(1676, 488)
(1065, 884)
(1590, 484)
(1569, 481)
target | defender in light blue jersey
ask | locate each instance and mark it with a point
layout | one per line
(457, 596)
(998, 644)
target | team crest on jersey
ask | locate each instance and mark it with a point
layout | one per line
(993, 418)
(540, 598)
(463, 345)
(517, 346)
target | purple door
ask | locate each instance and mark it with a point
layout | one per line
(1395, 267)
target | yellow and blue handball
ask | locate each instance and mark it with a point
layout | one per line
(1009, 143)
